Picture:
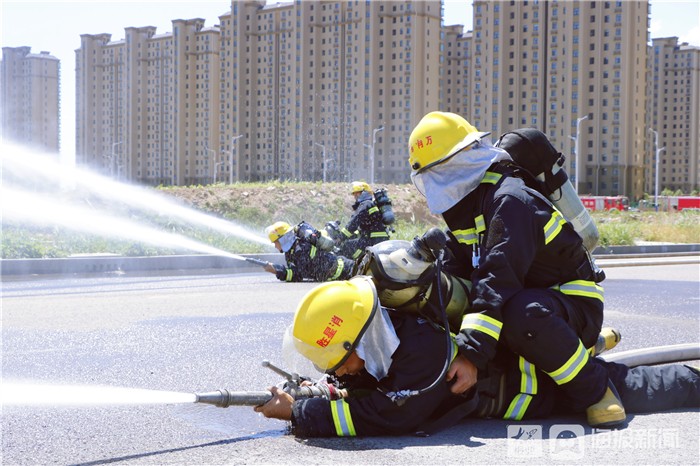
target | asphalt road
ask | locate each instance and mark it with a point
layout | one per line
(197, 333)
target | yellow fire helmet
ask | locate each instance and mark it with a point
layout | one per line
(330, 320)
(359, 186)
(277, 230)
(439, 136)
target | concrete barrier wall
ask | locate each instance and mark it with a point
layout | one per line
(102, 264)
(220, 264)
(647, 249)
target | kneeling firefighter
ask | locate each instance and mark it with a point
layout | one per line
(308, 254)
(535, 287)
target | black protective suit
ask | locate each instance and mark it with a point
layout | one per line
(418, 362)
(534, 287)
(365, 227)
(306, 261)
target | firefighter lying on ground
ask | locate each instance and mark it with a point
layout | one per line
(307, 253)
(393, 365)
(536, 289)
(366, 227)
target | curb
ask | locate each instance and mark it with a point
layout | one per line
(221, 264)
(112, 264)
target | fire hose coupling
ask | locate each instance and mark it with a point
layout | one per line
(224, 398)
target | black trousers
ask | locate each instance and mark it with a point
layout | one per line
(551, 331)
(642, 389)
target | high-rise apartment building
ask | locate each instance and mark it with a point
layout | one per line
(456, 86)
(30, 98)
(331, 89)
(674, 115)
(320, 90)
(574, 70)
(303, 90)
(147, 107)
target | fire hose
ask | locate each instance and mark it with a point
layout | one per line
(224, 398)
(656, 355)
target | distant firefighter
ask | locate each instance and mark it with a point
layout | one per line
(308, 254)
(368, 224)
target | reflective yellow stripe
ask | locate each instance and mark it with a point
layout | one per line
(455, 347)
(553, 227)
(516, 409)
(357, 253)
(342, 419)
(585, 288)
(572, 367)
(338, 269)
(345, 232)
(470, 236)
(312, 253)
(528, 377)
(480, 224)
(528, 388)
(373, 210)
(491, 178)
(379, 234)
(289, 276)
(483, 323)
(467, 236)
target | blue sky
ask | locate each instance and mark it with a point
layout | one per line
(56, 26)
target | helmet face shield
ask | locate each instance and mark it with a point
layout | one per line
(287, 240)
(444, 185)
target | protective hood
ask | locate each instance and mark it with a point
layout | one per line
(378, 344)
(364, 196)
(445, 184)
(287, 240)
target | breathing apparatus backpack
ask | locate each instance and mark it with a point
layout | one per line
(532, 151)
(381, 198)
(405, 275)
(308, 233)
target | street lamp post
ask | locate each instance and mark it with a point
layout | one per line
(214, 160)
(371, 154)
(324, 159)
(230, 175)
(656, 163)
(216, 170)
(576, 151)
(114, 157)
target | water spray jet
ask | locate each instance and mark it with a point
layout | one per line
(46, 172)
(28, 206)
(26, 394)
